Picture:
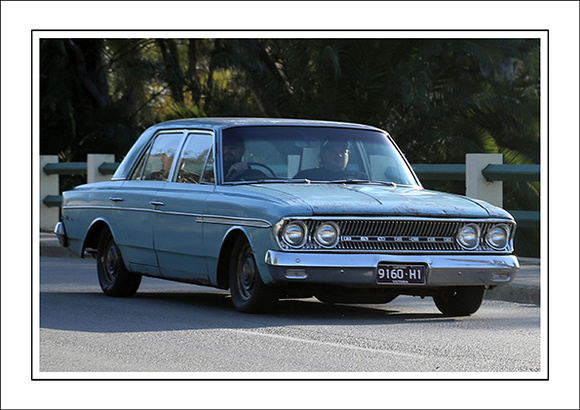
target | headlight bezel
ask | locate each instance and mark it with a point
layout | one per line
(460, 237)
(506, 230)
(325, 244)
(285, 231)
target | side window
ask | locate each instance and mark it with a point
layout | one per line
(208, 174)
(138, 172)
(161, 156)
(194, 159)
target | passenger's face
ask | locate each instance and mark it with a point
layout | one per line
(334, 158)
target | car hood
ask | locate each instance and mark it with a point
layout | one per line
(376, 199)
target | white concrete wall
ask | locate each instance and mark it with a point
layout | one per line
(477, 186)
(94, 161)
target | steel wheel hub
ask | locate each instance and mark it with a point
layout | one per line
(247, 276)
(111, 261)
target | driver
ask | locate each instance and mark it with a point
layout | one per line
(235, 169)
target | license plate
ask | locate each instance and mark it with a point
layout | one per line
(401, 274)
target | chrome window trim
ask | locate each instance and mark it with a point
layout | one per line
(191, 133)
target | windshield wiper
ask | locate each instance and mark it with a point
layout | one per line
(308, 181)
(269, 181)
(361, 181)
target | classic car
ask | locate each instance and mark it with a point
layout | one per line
(280, 208)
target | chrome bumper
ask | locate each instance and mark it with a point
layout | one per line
(360, 269)
(61, 234)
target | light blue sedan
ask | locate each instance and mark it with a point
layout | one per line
(273, 208)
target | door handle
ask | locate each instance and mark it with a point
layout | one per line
(157, 203)
(116, 199)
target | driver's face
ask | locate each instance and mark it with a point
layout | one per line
(233, 153)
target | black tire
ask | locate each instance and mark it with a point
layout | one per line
(460, 300)
(114, 278)
(249, 293)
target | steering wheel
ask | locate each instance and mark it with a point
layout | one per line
(264, 166)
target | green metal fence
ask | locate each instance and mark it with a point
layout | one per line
(451, 172)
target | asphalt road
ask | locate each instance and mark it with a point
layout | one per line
(172, 327)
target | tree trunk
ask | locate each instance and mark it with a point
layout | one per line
(94, 81)
(173, 73)
(192, 77)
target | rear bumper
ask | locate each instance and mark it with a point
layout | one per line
(361, 269)
(60, 233)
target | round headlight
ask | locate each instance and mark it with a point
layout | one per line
(294, 234)
(326, 235)
(468, 236)
(497, 237)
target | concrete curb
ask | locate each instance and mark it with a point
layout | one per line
(519, 293)
(525, 288)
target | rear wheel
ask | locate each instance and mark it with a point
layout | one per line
(249, 293)
(114, 278)
(460, 300)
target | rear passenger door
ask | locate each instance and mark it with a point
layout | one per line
(177, 232)
(135, 201)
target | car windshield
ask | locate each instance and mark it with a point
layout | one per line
(311, 154)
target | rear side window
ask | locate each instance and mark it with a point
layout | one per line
(156, 164)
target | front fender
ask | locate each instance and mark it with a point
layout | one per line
(219, 252)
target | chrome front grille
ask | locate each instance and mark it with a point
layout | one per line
(398, 235)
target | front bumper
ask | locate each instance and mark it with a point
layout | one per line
(361, 269)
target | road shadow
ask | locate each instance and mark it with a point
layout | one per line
(168, 311)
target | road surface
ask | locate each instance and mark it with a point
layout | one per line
(173, 327)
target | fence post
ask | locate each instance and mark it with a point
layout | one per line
(477, 186)
(94, 161)
(48, 186)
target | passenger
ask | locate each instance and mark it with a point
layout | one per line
(163, 173)
(334, 156)
(235, 169)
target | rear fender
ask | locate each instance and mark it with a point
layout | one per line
(91, 241)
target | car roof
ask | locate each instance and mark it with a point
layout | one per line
(222, 123)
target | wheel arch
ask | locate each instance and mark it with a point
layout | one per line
(223, 265)
(91, 241)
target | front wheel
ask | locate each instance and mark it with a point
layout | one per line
(249, 293)
(114, 278)
(460, 300)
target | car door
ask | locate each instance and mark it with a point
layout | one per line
(135, 202)
(177, 231)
